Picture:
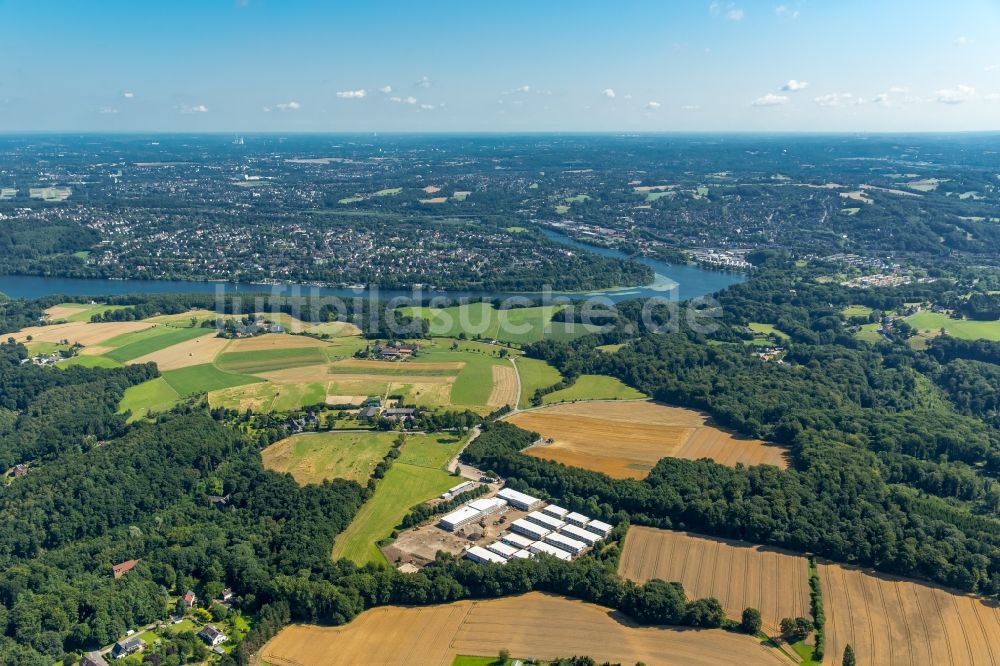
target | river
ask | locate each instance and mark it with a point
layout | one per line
(675, 282)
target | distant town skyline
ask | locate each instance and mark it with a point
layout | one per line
(513, 66)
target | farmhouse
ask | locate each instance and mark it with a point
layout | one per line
(212, 635)
(119, 570)
(127, 647)
(483, 556)
(571, 546)
(531, 530)
(368, 413)
(190, 599)
(544, 520)
(93, 659)
(519, 500)
(398, 413)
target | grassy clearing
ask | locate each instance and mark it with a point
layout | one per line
(156, 395)
(148, 341)
(535, 374)
(610, 349)
(856, 311)
(562, 209)
(78, 311)
(269, 360)
(90, 362)
(579, 198)
(931, 323)
(417, 475)
(767, 329)
(869, 333)
(313, 457)
(594, 387)
(203, 378)
(517, 325)
(389, 191)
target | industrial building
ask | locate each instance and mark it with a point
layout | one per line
(598, 527)
(570, 545)
(519, 500)
(516, 540)
(460, 488)
(483, 556)
(488, 505)
(502, 549)
(523, 554)
(471, 513)
(529, 529)
(545, 520)
(556, 512)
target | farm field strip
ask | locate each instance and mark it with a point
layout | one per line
(269, 360)
(533, 625)
(896, 621)
(313, 457)
(273, 341)
(195, 351)
(85, 333)
(737, 574)
(133, 345)
(504, 387)
(625, 439)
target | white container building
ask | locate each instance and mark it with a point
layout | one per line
(488, 505)
(502, 549)
(555, 511)
(529, 529)
(519, 500)
(544, 520)
(459, 518)
(577, 519)
(522, 555)
(570, 545)
(548, 549)
(483, 556)
(598, 527)
(580, 534)
(516, 540)
(460, 488)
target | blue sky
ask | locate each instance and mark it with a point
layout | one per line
(511, 65)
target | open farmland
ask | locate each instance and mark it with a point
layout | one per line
(893, 621)
(416, 476)
(625, 439)
(533, 625)
(313, 457)
(195, 351)
(594, 387)
(517, 325)
(77, 311)
(269, 360)
(505, 389)
(737, 574)
(929, 324)
(85, 333)
(535, 374)
(141, 343)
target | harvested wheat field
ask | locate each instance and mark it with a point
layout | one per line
(190, 352)
(345, 399)
(85, 333)
(737, 574)
(626, 438)
(532, 625)
(274, 341)
(892, 621)
(506, 390)
(397, 366)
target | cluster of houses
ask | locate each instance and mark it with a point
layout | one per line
(547, 528)
(395, 351)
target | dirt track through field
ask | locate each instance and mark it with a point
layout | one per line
(505, 388)
(893, 621)
(532, 625)
(737, 574)
(625, 439)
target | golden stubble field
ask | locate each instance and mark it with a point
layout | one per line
(625, 439)
(531, 626)
(739, 575)
(893, 621)
(86, 333)
(199, 350)
(505, 387)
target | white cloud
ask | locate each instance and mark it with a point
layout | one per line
(523, 89)
(288, 106)
(794, 85)
(609, 93)
(990, 68)
(956, 95)
(410, 100)
(652, 105)
(691, 107)
(963, 41)
(107, 110)
(729, 10)
(427, 107)
(198, 108)
(881, 98)
(770, 99)
(424, 82)
(898, 90)
(385, 90)
(735, 15)
(786, 12)
(128, 95)
(992, 97)
(266, 109)
(838, 99)
(351, 94)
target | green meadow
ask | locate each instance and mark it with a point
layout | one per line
(594, 387)
(139, 343)
(928, 322)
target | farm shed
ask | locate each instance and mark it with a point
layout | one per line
(502, 549)
(549, 549)
(519, 500)
(577, 519)
(487, 505)
(516, 540)
(598, 527)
